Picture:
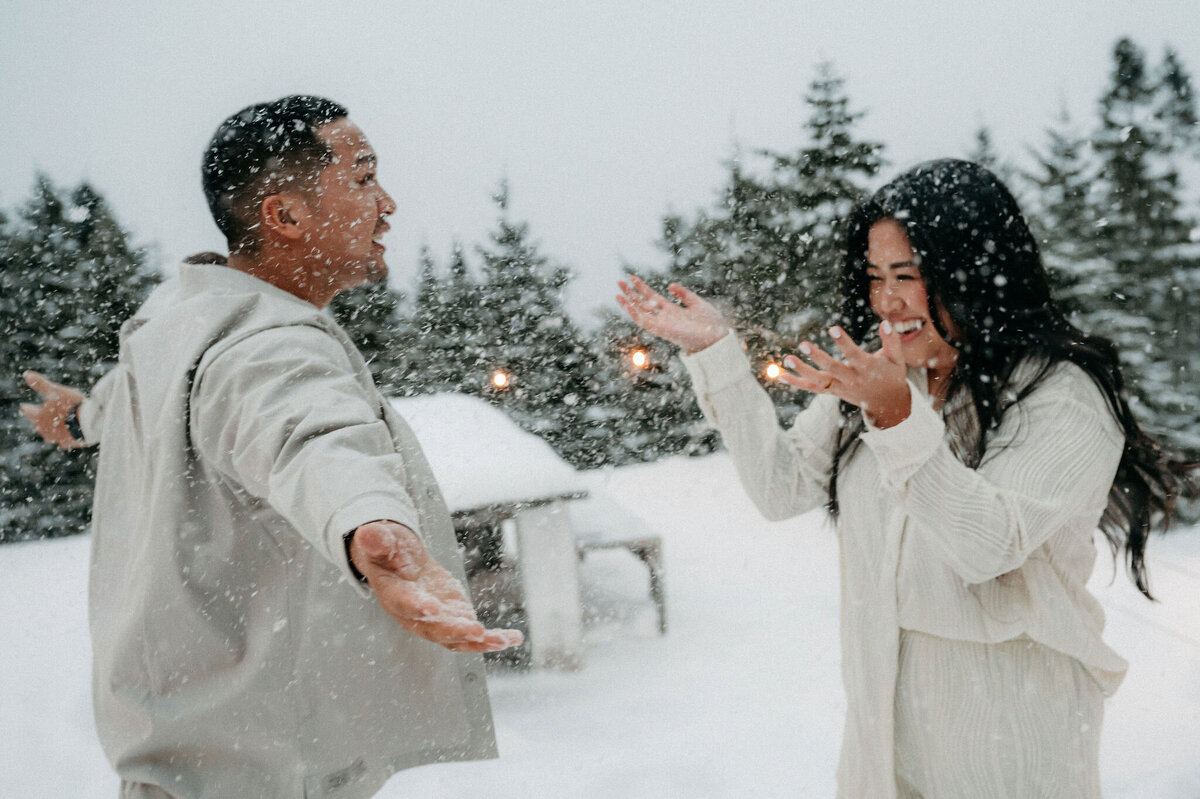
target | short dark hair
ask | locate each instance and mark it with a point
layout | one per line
(255, 152)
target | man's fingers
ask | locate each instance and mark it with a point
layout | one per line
(30, 411)
(37, 381)
(493, 641)
(460, 635)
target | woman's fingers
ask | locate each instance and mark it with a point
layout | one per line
(640, 296)
(685, 295)
(854, 353)
(892, 348)
(646, 295)
(824, 361)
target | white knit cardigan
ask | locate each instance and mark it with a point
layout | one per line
(926, 543)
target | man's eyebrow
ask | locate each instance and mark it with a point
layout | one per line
(366, 158)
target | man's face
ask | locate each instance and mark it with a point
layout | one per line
(349, 215)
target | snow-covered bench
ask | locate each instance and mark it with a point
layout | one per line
(521, 510)
(601, 523)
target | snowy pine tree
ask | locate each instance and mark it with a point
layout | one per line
(1145, 234)
(444, 335)
(983, 152)
(645, 404)
(1176, 106)
(525, 332)
(69, 279)
(1064, 214)
(770, 253)
(371, 316)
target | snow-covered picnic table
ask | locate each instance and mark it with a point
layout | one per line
(502, 483)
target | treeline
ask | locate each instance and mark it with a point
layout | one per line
(68, 279)
(1108, 197)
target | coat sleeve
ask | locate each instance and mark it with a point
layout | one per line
(785, 472)
(91, 410)
(1051, 461)
(282, 415)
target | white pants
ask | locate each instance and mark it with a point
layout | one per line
(1014, 720)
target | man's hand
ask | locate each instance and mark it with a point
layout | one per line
(418, 593)
(49, 418)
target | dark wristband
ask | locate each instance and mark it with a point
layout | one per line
(353, 569)
(72, 423)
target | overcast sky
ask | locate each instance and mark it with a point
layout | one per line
(601, 115)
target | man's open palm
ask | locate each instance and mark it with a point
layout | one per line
(419, 593)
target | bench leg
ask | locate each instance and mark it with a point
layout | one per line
(650, 553)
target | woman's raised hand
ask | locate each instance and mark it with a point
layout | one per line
(874, 381)
(692, 323)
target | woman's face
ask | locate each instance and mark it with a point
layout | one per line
(897, 294)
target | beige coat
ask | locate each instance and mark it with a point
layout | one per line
(235, 655)
(926, 543)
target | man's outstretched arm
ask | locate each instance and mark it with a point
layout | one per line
(418, 592)
(49, 419)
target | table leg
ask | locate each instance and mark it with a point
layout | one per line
(548, 565)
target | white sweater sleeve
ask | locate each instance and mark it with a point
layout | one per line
(1052, 460)
(785, 473)
(282, 414)
(91, 410)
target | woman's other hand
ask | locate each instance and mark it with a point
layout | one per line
(692, 324)
(874, 381)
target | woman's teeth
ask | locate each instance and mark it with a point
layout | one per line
(908, 326)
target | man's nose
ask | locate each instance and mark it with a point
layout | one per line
(386, 204)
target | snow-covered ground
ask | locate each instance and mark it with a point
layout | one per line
(740, 699)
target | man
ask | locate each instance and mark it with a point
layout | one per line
(269, 612)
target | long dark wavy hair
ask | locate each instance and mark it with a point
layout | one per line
(980, 263)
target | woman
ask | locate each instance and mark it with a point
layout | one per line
(968, 449)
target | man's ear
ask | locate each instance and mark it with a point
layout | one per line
(282, 215)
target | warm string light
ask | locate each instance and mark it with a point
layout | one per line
(638, 359)
(773, 371)
(500, 379)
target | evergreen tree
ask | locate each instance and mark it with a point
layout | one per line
(983, 152)
(812, 191)
(1145, 235)
(445, 337)
(645, 405)
(69, 279)
(770, 253)
(370, 315)
(1064, 216)
(524, 331)
(1176, 107)
(1141, 182)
